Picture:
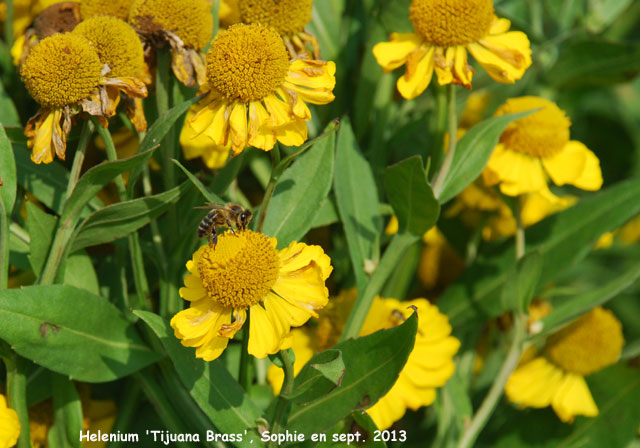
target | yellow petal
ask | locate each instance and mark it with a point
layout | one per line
(263, 339)
(43, 149)
(387, 410)
(303, 288)
(391, 55)
(293, 133)
(298, 255)
(500, 26)
(9, 424)
(260, 136)
(575, 165)
(230, 330)
(443, 64)
(574, 398)
(463, 72)
(279, 111)
(415, 81)
(534, 383)
(312, 74)
(518, 173)
(284, 314)
(239, 129)
(504, 56)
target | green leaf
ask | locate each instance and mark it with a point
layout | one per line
(219, 396)
(522, 283)
(298, 192)
(574, 307)
(155, 134)
(79, 272)
(119, 220)
(68, 410)
(357, 200)
(97, 177)
(8, 181)
(595, 61)
(473, 152)
(72, 332)
(562, 240)
(327, 214)
(8, 113)
(411, 196)
(366, 378)
(325, 25)
(209, 196)
(41, 227)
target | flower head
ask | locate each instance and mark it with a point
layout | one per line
(244, 274)
(539, 145)
(288, 17)
(184, 24)
(590, 343)
(9, 424)
(115, 8)
(444, 31)
(256, 95)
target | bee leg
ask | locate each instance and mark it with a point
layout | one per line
(213, 240)
(230, 227)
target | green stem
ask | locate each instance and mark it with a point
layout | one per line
(282, 404)
(78, 158)
(8, 23)
(452, 120)
(17, 392)
(510, 363)
(536, 12)
(127, 406)
(243, 372)
(440, 129)
(395, 251)
(112, 155)
(276, 172)
(497, 388)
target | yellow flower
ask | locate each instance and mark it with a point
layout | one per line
(630, 232)
(536, 146)
(440, 264)
(429, 366)
(256, 95)
(556, 379)
(242, 275)
(444, 31)
(119, 48)
(65, 75)
(288, 17)
(229, 13)
(186, 25)
(9, 425)
(196, 145)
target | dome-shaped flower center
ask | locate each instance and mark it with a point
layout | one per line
(190, 20)
(116, 43)
(451, 22)
(541, 134)
(247, 62)
(115, 8)
(61, 70)
(288, 17)
(240, 270)
(589, 344)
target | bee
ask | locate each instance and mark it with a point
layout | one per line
(229, 215)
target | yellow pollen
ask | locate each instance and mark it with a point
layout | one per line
(288, 17)
(240, 270)
(247, 62)
(448, 23)
(541, 134)
(190, 20)
(116, 43)
(592, 342)
(115, 8)
(61, 70)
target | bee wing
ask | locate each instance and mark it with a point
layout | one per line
(212, 206)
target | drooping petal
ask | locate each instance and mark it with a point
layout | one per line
(196, 145)
(573, 398)
(298, 255)
(239, 318)
(239, 128)
(443, 64)
(40, 134)
(263, 340)
(534, 384)
(303, 288)
(517, 173)
(199, 326)
(504, 56)
(391, 55)
(461, 68)
(284, 314)
(575, 165)
(312, 74)
(260, 135)
(417, 76)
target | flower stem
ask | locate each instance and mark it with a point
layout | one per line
(452, 120)
(519, 335)
(4, 247)
(243, 377)
(276, 172)
(282, 405)
(78, 158)
(17, 391)
(8, 23)
(394, 252)
(497, 388)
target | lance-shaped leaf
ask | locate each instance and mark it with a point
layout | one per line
(411, 196)
(366, 378)
(8, 181)
(72, 332)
